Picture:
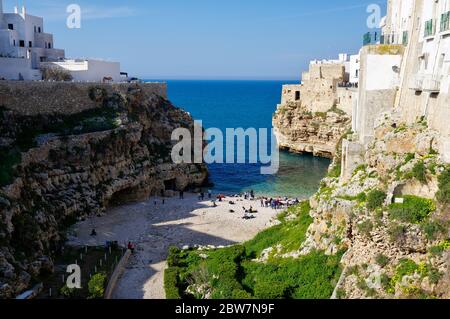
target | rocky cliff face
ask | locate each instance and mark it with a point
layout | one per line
(300, 131)
(392, 217)
(56, 169)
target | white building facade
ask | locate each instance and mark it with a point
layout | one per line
(25, 48)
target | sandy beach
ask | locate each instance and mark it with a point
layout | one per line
(153, 228)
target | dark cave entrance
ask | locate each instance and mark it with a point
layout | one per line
(126, 196)
(170, 185)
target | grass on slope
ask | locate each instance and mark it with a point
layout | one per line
(232, 273)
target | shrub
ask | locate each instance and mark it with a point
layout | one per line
(66, 292)
(443, 195)
(55, 74)
(419, 172)
(96, 286)
(375, 199)
(271, 290)
(173, 257)
(171, 283)
(409, 157)
(365, 227)
(413, 210)
(382, 260)
(397, 233)
(432, 229)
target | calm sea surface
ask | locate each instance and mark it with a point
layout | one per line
(247, 104)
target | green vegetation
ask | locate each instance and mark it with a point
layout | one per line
(69, 293)
(443, 195)
(418, 172)
(397, 233)
(439, 249)
(97, 286)
(409, 157)
(375, 199)
(233, 272)
(433, 228)
(336, 170)
(414, 209)
(365, 227)
(382, 260)
(171, 282)
(290, 234)
(360, 168)
(322, 115)
(360, 198)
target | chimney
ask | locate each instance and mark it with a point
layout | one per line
(23, 12)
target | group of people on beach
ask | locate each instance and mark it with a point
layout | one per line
(278, 203)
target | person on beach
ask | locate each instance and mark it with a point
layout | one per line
(131, 247)
(181, 195)
(209, 194)
(93, 233)
(202, 196)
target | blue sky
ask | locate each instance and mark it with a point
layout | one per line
(208, 39)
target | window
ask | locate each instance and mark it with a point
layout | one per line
(39, 29)
(297, 95)
(22, 43)
(35, 29)
(14, 42)
(445, 21)
(429, 28)
(30, 44)
(405, 38)
(11, 26)
(49, 45)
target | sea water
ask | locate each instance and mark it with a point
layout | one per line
(247, 104)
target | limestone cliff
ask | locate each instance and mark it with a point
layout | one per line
(59, 167)
(301, 131)
(392, 217)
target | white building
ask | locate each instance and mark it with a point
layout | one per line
(25, 48)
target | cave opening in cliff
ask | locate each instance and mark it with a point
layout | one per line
(125, 196)
(170, 185)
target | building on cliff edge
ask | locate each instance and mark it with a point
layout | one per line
(25, 49)
(404, 72)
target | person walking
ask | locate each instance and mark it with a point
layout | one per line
(209, 194)
(181, 195)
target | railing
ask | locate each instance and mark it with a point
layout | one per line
(445, 22)
(347, 85)
(426, 82)
(379, 38)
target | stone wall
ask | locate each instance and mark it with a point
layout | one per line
(31, 98)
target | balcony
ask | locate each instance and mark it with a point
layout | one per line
(426, 82)
(372, 38)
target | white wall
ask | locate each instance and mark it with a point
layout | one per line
(11, 69)
(90, 70)
(354, 68)
(380, 72)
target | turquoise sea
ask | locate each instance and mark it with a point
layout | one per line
(247, 104)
